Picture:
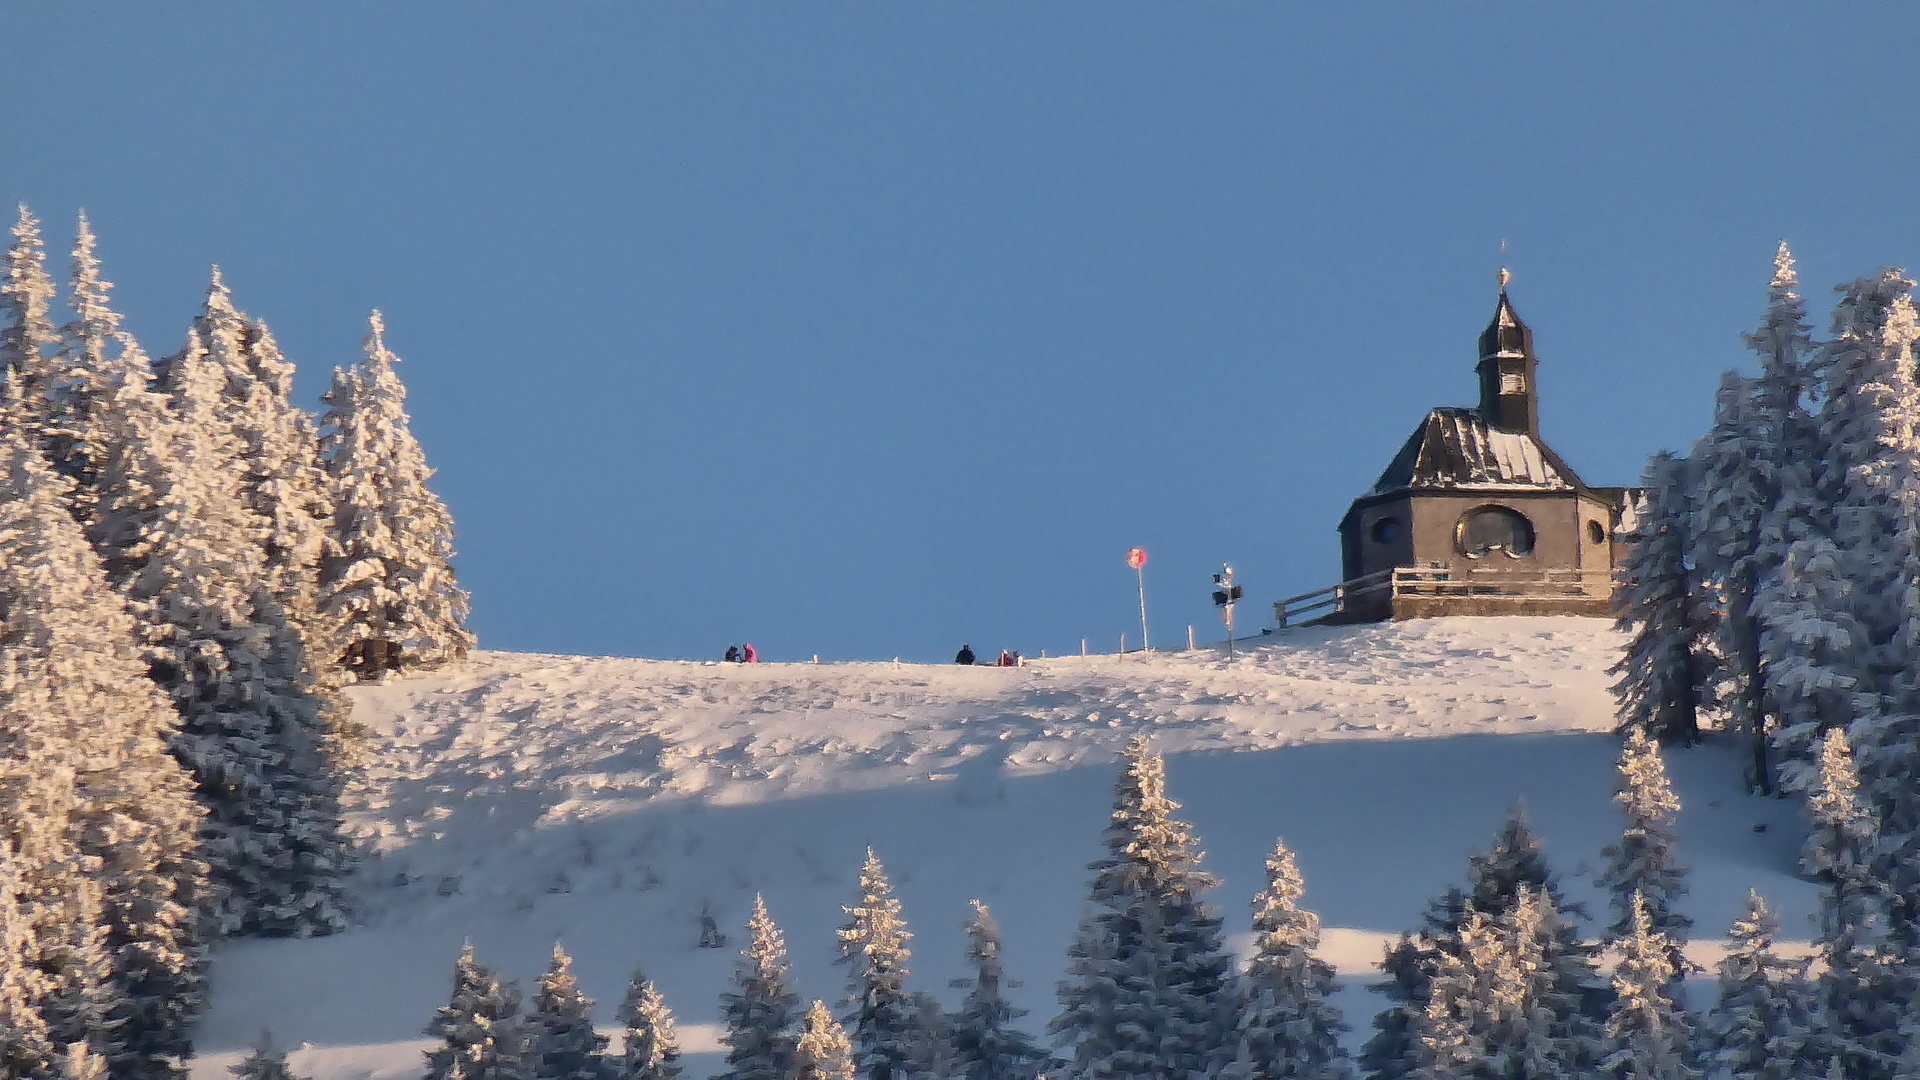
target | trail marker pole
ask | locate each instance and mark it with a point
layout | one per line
(1225, 592)
(1189, 637)
(1137, 558)
(1123, 643)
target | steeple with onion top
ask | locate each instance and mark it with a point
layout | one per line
(1508, 401)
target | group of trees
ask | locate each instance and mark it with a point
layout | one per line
(191, 568)
(1774, 575)
(1774, 584)
(1499, 982)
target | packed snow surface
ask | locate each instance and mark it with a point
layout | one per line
(518, 799)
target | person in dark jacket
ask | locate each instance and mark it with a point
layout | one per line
(747, 655)
(964, 656)
(733, 654)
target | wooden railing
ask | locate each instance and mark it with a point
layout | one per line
(1439, 581)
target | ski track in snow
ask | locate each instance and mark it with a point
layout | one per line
(521, 798)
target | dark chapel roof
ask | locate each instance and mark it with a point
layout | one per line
(1454, 448)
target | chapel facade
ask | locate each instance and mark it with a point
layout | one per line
(1477, 514)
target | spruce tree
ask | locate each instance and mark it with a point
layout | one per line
(1663, 672)
(564, 1045)
(1497, 880)
(1757, 497)
(760, 1013)
(277, 456)
(483, 1036)
(822, 1052)
(133, 950)
(1288, 1029)
(1645, 864)
(252, 721)
(387, 576)
(1866, 427)
(28, 339)
(264, 1061)
(1494, 1007)
(986, 1044)
(873, 949)
(78, 442)
(1761, 1025)
(1860, 1014)
(1147, 973)
(651, 1050)
(1649, 1036)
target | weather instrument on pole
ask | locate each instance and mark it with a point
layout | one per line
(1137, 558)
(1225, 594)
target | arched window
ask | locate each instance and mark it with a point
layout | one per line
(1386, 530)
(1596, 533)
(1491, 529)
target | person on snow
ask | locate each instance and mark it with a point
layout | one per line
(747, 655)
(733, 654)
(964, 656)
(1006, 659)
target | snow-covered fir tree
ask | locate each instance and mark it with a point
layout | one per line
(28, 339)
(1649, 1036)
(651, 1050)
(77, 441)
(253, 726)
(761, 1012)
(1493, 1006)
(134, 949)
(482, 1034)
(1761, 1025)
(1663, 670)
(562, 1042)
(277, 454)
(264, 1061)
(1644, 867)
(873, 949)
(822, 1051)
(1288, 1029)
(1757, 496)
(1867, 420)
(1860, 1000)
(986, 1044)
(1146, 992)
(1497, 879)
(387, 576)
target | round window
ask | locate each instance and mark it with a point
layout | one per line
(1494, 528)
(1386, 530)
(1596, 533)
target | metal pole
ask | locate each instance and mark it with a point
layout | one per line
(1142, 571)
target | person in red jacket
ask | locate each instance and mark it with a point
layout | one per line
(748, 655)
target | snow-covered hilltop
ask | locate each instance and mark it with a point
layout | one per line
(606, 802)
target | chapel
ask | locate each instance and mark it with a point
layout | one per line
(1477, 514)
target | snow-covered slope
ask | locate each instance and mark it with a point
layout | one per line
(606, 802)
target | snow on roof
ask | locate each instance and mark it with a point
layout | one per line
(1455, 448)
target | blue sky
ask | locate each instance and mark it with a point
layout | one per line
(868, 329)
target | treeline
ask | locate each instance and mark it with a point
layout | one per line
(191, 569)
(1498, 983)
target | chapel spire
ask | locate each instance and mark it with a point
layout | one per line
(1507, 398)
